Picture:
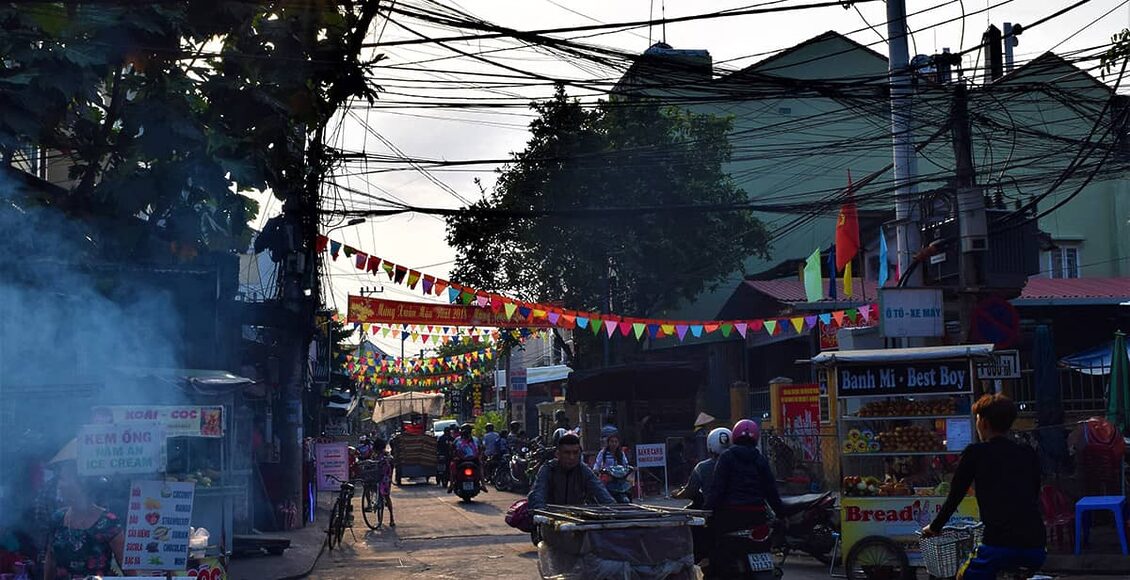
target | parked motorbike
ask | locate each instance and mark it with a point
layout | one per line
(616, 482)
(467, 480)
(810, 529)
(498, 472)
(515, 472)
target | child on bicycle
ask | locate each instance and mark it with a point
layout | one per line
(384, 468)
(1007, 478)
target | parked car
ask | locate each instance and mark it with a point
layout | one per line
(439, 425)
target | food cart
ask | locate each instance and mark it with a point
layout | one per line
(195, 427)
(903, 417)
(616, 541)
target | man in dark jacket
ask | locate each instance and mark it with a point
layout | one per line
(567, 481)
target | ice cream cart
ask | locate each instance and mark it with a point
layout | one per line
(903, 417)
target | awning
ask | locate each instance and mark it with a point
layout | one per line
(640, 381)
(535, 375)
(407, 403)
(904, 354)
(1093, 361)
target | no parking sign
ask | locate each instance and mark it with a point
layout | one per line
(996, 321)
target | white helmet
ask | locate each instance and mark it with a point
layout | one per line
(719, 440)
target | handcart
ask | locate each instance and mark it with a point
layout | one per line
(617, 541)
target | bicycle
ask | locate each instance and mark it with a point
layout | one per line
(341, 514)
(375, 493)
(943, 555)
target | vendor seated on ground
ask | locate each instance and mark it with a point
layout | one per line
(565, 480)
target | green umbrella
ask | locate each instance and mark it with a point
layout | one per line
(1118, 408)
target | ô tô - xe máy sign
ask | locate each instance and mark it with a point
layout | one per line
(903, 378)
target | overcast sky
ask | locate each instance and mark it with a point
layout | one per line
(418, 241)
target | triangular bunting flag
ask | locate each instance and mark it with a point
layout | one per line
(582, 322)
(639, 327)
(453, 295)
(826, 319)
(596, 323)
(509, 307)
(798, 324)
(440, 286)
(429, 283)
(389, 269)
(727, 328)
(839, 316)
(482, 301)
(568, 320)
(681, 330)
(625, 328)
(771, 327)
(741, 328)
(653, 330)
(667, 329)
(335, 247)
(756, 325)
(696, 330)
(413, 279)
(374, 265)
(349, 251)
(361, 260)
(865, 312)
(553, 317)
(525, 311)
(609, 327)
(709, 328)
(810, 321)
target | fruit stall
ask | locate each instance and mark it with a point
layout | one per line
(903, 417)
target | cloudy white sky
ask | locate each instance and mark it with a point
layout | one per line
(419, 132)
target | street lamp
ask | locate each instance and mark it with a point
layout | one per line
(352, 222)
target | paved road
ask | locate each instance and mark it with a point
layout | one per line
(437, 536)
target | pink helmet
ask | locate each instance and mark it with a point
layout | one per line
(746, 429)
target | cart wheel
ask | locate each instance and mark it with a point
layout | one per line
(877, 558)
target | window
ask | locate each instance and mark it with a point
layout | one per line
(1063, 262)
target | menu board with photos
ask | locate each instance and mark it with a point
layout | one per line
(157, 525)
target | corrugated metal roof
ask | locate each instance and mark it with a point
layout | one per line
(790, 290)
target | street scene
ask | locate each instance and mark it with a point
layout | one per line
(564, 289)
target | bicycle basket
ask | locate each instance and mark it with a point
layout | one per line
(944, 554)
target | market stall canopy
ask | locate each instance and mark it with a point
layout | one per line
(535, 375)
(639, 381)
(407, 403)
(1093, 361)
(904, 354)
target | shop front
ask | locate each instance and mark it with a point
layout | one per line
(903, 417)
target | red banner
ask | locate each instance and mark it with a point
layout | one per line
(375, 310)
(800, 417)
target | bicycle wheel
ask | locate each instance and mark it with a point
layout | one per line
(337, 520)
(877, 558)
(372, 507)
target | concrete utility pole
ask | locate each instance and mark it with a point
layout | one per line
(971, 219)
(1010, 41)
(908, 234)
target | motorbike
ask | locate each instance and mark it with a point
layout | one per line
(467, 480)
(515, 472)
(616, 482)
(498, 472)
(810, 529)
(746, 554)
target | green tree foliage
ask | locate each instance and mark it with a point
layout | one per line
(494, 417)
(617, 154)
(166, 110)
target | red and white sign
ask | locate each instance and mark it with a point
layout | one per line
(205, 569)
(332, 461)
(800, 417)
(179, 421)
(651, 455)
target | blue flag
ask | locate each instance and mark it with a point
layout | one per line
(883, 267)
(832, 275)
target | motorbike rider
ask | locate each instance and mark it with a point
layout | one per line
(611, 454)
(444, 450)
(491, 449)
(702, 476)
(566, 480)
(742, 488)
(465, 448)
(514, 440)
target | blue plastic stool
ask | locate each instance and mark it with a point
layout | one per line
(1114, 503)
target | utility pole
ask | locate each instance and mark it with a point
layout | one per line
(971, 219)
(908, 237)
(1010, 41)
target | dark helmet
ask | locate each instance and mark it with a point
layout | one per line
(559, 415)
(515, 426)
(490, 427)
(466, 428)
